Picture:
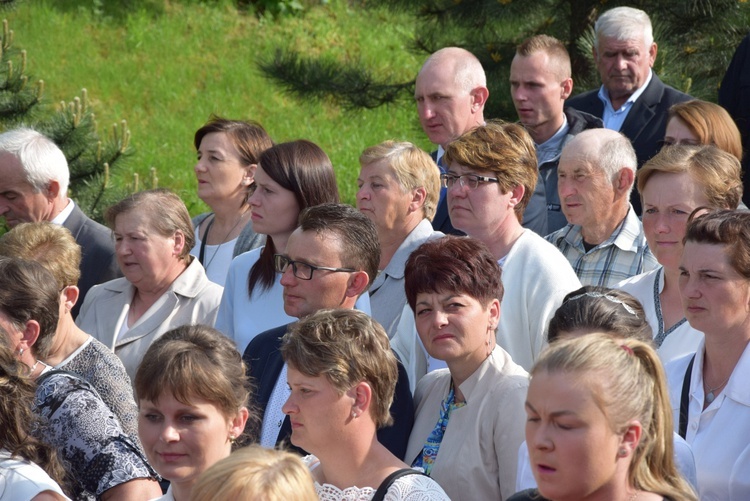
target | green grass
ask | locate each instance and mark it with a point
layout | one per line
(165, 66)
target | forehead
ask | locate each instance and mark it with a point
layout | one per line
(132, 220)
(378, 168)
(12, 175)
(215, 140)
(458, 169)
(702, 255)
(562, 391)
(611, 44)
(321, 248)
(438, 78)
(536, 66)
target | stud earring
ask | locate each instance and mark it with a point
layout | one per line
(622, 452)
(232, 439)
(354, 414)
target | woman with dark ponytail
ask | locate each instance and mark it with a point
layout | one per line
(600, 425)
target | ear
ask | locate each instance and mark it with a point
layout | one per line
(71, 295)
(419, 195)
(516, 195)
(237, 424)
(625, 179)
(567, 88)
(358, 282)
(362, 395)
(494, 310)
(249, 176)
(53, 190)
(652, 54)
(179, 242)
(479, 96)
(29, 335)
(631, 438)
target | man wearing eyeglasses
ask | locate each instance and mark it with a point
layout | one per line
(604, 240)
(329, 261)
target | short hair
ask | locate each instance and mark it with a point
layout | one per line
(254, 472)
(730, 228)
(554, 48)
(461, 265)
(466, 70)
(29, 292)
(348, 347)
(601, 309)
(303, 168)
(357, 235)
(249, 137)
(165, 212)
(50, 245)
(627, 382)
(716, 172)
(505, 149)
(41, 159)
(624, 23)
(610, 151)
(710, 123)
(194, 361)
(413, 167)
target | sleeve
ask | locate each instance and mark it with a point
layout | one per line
(509, 435)
(415, 488)
(89, 438)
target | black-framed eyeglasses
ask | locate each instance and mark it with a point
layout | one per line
(300, 269)
(470, 180)
(682, 142)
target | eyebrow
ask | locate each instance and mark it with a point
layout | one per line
(552, 414)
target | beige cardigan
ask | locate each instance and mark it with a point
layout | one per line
(479, 452)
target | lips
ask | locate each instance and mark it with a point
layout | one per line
(171, 457)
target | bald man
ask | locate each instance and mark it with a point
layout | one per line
(451, 92)
(540, 82)
(604, 239)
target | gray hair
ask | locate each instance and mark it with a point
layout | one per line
(624, 23)
(615, 154)
(466, 68)
(41, 159)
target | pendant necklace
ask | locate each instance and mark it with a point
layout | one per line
(223, 240)
(710, 395)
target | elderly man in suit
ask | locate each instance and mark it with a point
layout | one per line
(632, 99)
(451, 91)
(329, 261)
(34, 187)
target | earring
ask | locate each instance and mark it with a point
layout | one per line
(232, 439)
(354, 414)
(622, 452)
(20, 352)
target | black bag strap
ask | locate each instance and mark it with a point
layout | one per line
(684, 399)
(202, 252)
(388, 482)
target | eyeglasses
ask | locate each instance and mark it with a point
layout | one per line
(472, 180)
(301, 270)
(684, 142)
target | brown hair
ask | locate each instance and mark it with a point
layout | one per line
(627, 381)
(29, 292)
(165, 212)
(710, 123)
(303, 168)
(19, 421)
(462, 265)
(348, 347)
(554, 48)
(50, 245)
(194, 361)
(358, 237)
(249, 137)
(730, 228)
(505, 149)
(256, 473)
(714, 170)
(596, 308)
(413, 168)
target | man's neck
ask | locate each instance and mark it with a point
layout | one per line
(59, 206)
(543, 132)
(598, 233)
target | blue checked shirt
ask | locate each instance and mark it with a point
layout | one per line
(623, 255)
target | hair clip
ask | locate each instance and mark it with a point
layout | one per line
(608, 297)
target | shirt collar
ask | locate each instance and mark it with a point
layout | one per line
(63, 215)
(604, 95)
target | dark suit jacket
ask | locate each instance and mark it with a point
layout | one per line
(646, 122)
(264, 364)
(98, 264)
(534, 216)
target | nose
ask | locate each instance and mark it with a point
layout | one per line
(122, 248)
(621, 63)
(169, 433)
(564, 188)
(200, 166)
(439, 318)
(289, 406)
(661, 224)
(425, 110)
(253, 198)
(363, 193)
(689, 287)
(457, 190)
(288, 278)
(537, 437)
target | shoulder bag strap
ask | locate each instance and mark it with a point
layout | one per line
(684, 399)
(388, 482)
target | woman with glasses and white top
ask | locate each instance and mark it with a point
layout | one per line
(491, 175)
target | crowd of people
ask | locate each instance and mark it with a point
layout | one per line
(554, 309)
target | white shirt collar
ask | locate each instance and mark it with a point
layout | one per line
(65, 213)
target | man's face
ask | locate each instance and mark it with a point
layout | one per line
(326, 289)
(624, 65)
(538, 91)
(444, 107)
(586, 192)
(18, 201)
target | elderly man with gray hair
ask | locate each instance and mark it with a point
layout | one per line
(632, 99)
(604, 240)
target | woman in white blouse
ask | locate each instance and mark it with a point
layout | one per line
(672, 184)
(342, 376)
(709, 390)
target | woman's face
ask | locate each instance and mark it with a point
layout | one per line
(275, 209)
(147, 259)
(668, 200)
(181, 441)
(715, 298)
(318, 414)
(381, 198)
(679, 133)
(456, 328)
(220, 172)
(572, 448)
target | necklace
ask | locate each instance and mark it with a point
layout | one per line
(710, 395)
(223, 240)
(33, 367)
